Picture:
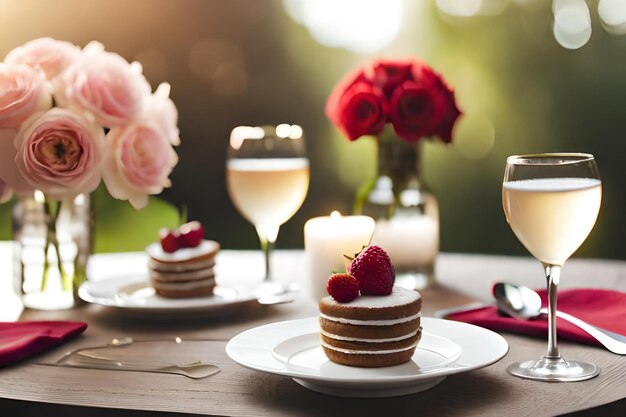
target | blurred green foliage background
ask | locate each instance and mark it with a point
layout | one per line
(234, 62)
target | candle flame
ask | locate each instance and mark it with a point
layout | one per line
(335, 215)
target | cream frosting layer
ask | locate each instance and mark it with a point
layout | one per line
(206, 247)
(371, 322)
(182, 276)
(358, 339)
(367, 352)
(180, 267)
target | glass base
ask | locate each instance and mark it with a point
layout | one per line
(52, 300)
(553, 370)
(415, 280)
(270, 292)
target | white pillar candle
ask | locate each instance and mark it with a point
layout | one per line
(411, 242)
(326, 240)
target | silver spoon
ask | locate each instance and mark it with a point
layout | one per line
(524, 303)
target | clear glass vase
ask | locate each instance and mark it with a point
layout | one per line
(405, 210)
(52, 243)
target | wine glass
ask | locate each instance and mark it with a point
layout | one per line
(267, 176)
(551, 202)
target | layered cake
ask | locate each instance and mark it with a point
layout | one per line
(371, 330)
(182, 264)
(367, 321)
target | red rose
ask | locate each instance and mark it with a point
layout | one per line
(424, 107)
(356, 107)
(414, 110)
(450, 113)
(389, 74)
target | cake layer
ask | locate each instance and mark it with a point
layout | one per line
(178, 293)
(367, 339)
(400, 303)
(348, 346)
(182, 276)
(369, 360)
(181, 267)
(183, 286)
(369, 332)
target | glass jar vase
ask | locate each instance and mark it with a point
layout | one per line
(52, 243)
(405, 210)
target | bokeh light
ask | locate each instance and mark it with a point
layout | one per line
(613, 15)
(361, 26)
(460, 8)
(572, 23)
(219, 63)
(475, 136)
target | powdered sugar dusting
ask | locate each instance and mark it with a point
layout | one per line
(398, 297)
(206, 247)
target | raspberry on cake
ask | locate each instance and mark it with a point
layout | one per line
(371, 331)
(182, 263)
(373, 269)
(343, 287)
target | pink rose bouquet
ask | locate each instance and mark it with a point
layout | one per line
(70, 118)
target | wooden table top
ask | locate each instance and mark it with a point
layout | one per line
(29, 388)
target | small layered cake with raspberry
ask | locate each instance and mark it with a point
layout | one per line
(371, 331)
(367, 321)
(182, 264)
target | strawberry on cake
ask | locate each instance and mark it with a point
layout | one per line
(381, 327)
(182, 263)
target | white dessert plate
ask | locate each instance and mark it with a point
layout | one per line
(292, 348)
(133, 294)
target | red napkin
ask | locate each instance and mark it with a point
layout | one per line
(602, 308)
(24, 339)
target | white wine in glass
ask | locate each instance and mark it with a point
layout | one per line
(267, 177)
(551, 202)
(268, 192)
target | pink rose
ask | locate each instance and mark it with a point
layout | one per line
(23, 91)
(58, 152)
(5, 192)
(161, 109)
(105, 86)
(137, 161)
(47, 54)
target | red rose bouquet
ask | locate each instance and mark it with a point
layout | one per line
(406, 93)
(417, 103)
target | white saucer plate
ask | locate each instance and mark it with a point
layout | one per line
(292, 348)
(133, 294)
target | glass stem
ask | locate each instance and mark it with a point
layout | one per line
(553, 274)
(267, 237)
(51, 240)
